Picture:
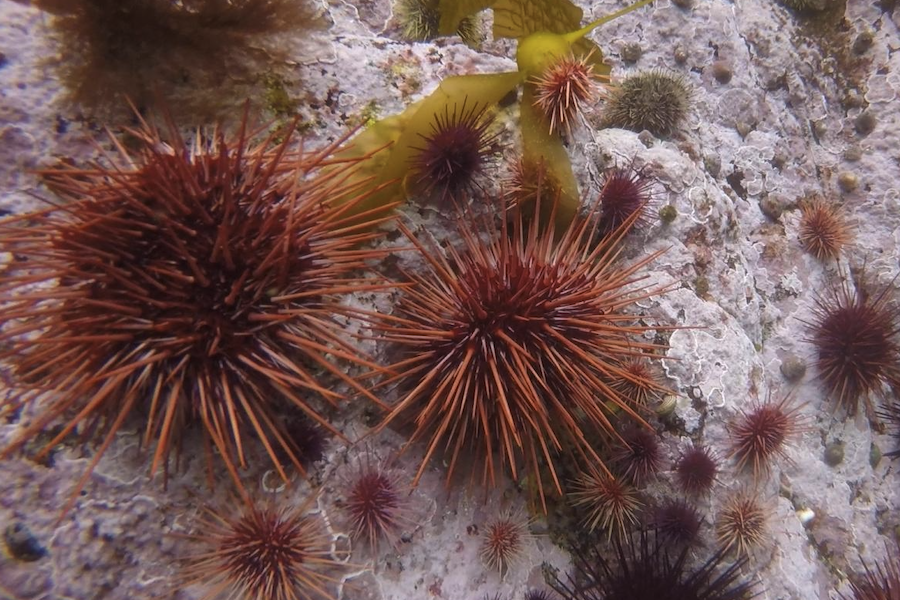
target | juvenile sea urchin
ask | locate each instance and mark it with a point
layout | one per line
(696, 470)
(503, 541)
(454, 154)
(611, 503)
(375, 504)
(639, 457)
(742, 523)
(823, 231)
(505, 346)
(761, 433)
(192, 284)
(623, 192)
(264, 551)
(562, 88)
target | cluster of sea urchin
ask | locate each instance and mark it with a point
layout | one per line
(196, 284)
(505, 346)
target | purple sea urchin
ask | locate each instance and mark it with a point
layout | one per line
(638, 458)
(643, 569)
(696, 470)
(454, 154)
(677, 521)
(624, 191)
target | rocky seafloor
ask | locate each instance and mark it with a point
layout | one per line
(774, 117)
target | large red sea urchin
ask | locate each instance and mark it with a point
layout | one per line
(191, 283)
(506, 346)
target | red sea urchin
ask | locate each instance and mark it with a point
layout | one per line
(696, 470)
(644, 569)
(761, 433)
(503, 541)
(856, 340)
(264, 551)
(193, 284)
(454, 154)
(505, 346)
(561, 90)
(375, 504)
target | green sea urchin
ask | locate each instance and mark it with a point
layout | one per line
(657, 101)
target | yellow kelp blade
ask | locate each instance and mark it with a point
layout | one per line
(539, 144)
(454, 11)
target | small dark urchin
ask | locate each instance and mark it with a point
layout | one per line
(623, 192)
(644, 569)
(505, 345)
(677, 521)
(696, 470)
(196, 286)
(856, 342)
(657, 101)
(454, 153)
(375, 504)
(761, 433)
(639, 457)
(264, 551)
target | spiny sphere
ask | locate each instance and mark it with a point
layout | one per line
(505, 346)
(856, 341)
(657, 101)
(823, 231)
(623, 192)
(454, 153)
(762, 433)
(642, 382)
(503, 541)
(696, 470)
(741, 524)
(644, 569)
(264, 552)
(375, 504)
(560, 91)
(677, 522)
(191, 284)
(639, 457)
(611, 503)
